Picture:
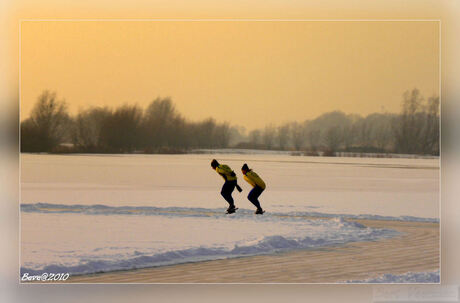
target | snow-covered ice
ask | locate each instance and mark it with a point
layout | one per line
(409, 277)
(81, 239)
(92, 213)
(386, 187)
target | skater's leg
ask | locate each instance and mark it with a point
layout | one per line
(226, 192)
(254, 196)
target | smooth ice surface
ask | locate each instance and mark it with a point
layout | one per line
(386, 187)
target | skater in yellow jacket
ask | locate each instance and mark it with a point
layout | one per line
(258, 187)
(230, 183)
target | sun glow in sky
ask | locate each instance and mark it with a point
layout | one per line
(249, 73)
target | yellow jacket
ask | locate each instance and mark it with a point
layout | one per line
(226, 172)
(254, 179)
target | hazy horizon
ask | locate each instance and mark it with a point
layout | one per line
(247, 73)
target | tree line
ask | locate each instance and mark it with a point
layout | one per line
(157, 129)
(415, 130)
(160, 128)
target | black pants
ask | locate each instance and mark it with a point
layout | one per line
(227, 190)
(254, 196)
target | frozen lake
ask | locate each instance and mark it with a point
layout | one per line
(91, 213)
(387, 187)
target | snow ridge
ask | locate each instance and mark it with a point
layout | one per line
(98, 209)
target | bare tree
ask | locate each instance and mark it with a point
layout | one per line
(314, 139)
(349, 136)
(364, 133)
(268, 136)
(430, 138)
(121, 131)
(46, 127)
(333, 139)
(204, 133)
(297, 135)
(160, 117)
(30, 138)
(408, 126)
(283, 136)
(382, 131)
(87, 129)
(255, 138)
(222, 135)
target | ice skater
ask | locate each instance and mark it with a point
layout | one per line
(230, 183)
(258, 187)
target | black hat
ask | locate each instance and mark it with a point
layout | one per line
(214, 163)
(245, 167)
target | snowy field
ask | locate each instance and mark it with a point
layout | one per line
(93, 213)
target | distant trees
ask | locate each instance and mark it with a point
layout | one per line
(121, 131)
(104, 130)
(333, 139)
(161, 121)
(160, 128)
(167, 131)
(47, 125)
(255, 138)
(314, 139)
(202, 133)
(282, 136)
(268, 136)
(416, 130)
(89, 129)
(407, 128)
(430, 139)
(222, 134)
(128, 128)
(297, 133)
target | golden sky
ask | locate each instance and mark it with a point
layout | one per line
(246, 73)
